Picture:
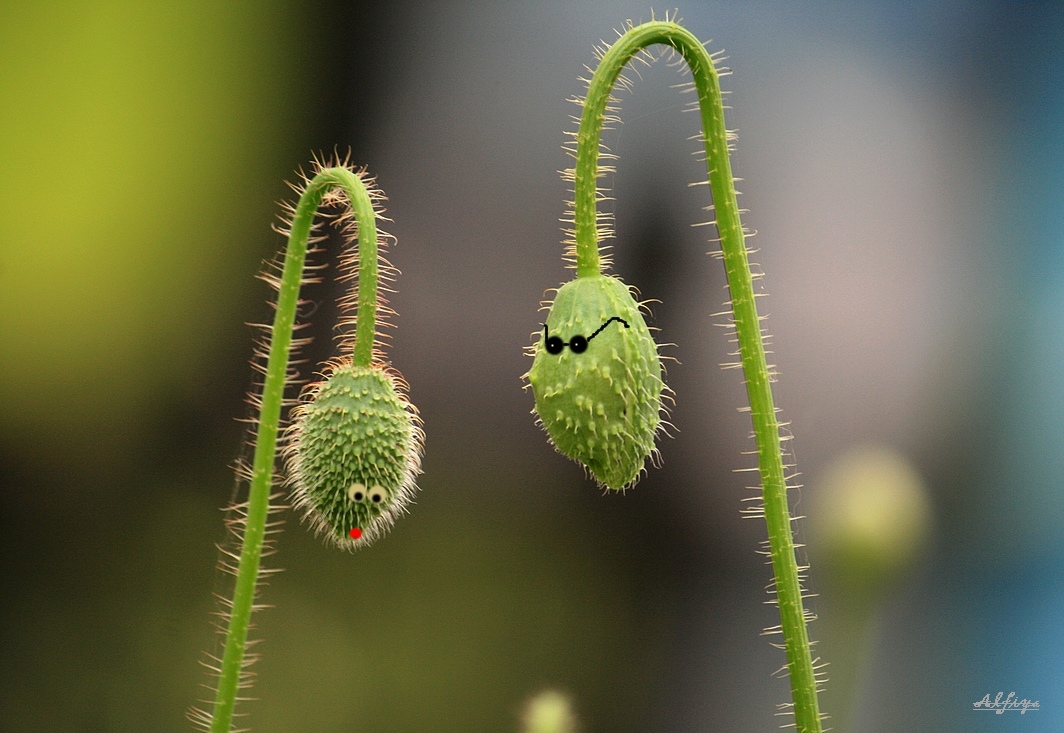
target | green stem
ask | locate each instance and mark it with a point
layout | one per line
(272, 397)
(744, 310)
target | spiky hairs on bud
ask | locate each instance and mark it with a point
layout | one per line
(355, 451)
(601, 406)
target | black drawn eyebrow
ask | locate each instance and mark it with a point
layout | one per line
(608, 322)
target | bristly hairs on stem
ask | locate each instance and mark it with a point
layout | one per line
(587, 228)
(353, 202)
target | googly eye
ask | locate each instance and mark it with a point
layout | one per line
(554, 345)
(357, 492)
(377, 494)
(578, 344)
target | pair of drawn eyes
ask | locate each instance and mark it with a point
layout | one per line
(577, 344)
(359, 493)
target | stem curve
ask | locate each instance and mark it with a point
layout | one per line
(258, 505)
(744, 312)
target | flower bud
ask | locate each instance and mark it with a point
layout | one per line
(354, 453)
(596, 378)
(871, 521)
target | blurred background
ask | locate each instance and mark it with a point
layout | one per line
(903, 164)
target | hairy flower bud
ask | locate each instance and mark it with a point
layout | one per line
(354, 454)
(596, 377)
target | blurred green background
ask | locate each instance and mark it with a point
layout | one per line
(903, 169)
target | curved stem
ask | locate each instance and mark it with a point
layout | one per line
(272, 397)
(744, 310)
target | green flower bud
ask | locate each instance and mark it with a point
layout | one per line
(354, 452)
(596, 377)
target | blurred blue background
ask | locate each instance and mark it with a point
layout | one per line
(903, 164)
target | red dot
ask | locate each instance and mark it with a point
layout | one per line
(355, 533)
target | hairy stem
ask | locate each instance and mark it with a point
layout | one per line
(744, 311)
(229, 680)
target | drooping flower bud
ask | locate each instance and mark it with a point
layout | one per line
(596, 377)
(354, 453)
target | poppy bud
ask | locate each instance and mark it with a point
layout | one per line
(596, 378)
(354, 454)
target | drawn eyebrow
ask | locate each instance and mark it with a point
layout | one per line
(608, 322)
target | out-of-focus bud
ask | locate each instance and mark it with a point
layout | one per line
(549, 712)
(870, 520)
